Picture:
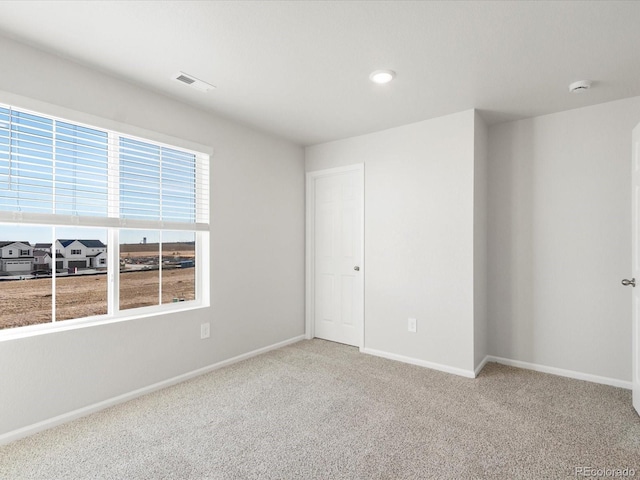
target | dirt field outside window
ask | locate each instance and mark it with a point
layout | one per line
(28, 302)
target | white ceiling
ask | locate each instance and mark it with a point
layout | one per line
(300, 69)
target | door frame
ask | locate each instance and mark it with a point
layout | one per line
(635, 269)
(309, 325)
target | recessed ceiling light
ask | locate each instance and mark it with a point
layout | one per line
(382, 76)
(580, 86)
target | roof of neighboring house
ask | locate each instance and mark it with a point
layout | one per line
(40, 253)
(59, 255)
(4, 244)
(86, 243)
(42, 245)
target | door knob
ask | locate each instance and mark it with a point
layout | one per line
(631, 282)
(356, 268)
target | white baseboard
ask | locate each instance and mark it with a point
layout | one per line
(614, 382)
(479, 368)
(96, 407)
(421, 363)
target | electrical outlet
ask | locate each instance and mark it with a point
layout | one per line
(412, 325)
(205, 330)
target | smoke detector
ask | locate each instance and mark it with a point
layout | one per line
(192, 81)
(580, 86)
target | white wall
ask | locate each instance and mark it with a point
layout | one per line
(256, 255)
(419, 215)
(480, 247)
(560, 239)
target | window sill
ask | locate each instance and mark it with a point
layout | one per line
(75, 324)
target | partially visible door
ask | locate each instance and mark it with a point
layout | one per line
(635, 236)
(337, 290)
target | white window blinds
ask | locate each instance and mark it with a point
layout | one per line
(51, 166)
(157, 183)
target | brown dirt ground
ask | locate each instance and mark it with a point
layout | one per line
(28, 302)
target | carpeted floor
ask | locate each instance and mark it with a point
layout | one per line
(320, 410)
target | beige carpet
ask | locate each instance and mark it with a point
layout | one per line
(319, 410)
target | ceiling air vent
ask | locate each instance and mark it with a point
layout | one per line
(193, 82)
(185, 79)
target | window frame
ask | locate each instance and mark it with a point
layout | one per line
(114, 224)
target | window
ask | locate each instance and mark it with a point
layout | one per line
(132, 213)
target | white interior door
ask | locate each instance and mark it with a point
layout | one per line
(635, 236)
(337, 290)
